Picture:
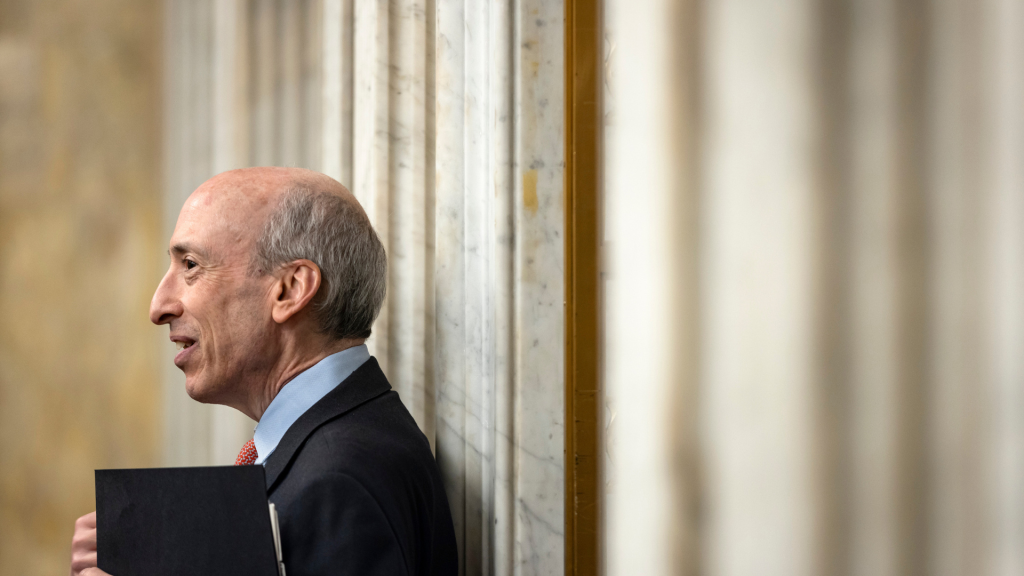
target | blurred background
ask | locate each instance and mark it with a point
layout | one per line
(80, 252)
(815, 287)
(812, 262)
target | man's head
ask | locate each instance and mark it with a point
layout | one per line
(271, 269)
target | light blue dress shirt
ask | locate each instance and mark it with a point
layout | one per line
(301, 394)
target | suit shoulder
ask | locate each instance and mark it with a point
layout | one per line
(380, 429)
(378, 444)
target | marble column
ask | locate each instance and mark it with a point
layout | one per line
(648, 255)
(976, 75)
(820, 373)
(445, 119)
(378, 138)
(499, 281)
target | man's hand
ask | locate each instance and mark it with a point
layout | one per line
(83, 548)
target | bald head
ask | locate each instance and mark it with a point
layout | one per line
(267, 182)
(247, 196)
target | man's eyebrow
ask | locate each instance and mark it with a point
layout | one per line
(186, 248)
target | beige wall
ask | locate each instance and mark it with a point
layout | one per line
(80, 240)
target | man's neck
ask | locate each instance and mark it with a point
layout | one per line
(294, 360)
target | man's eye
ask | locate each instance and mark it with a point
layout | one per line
(189, 264)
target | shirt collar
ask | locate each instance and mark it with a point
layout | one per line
(301, 394)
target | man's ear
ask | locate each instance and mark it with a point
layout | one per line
(296, 286)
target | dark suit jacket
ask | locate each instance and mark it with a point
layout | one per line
(357, 490)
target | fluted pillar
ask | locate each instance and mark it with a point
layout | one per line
(499, 281)
(842, 389)
(445, 120)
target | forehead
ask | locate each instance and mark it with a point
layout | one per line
(219, 224)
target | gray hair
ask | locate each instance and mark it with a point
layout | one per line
(336, 236)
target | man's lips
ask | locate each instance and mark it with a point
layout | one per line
(186, 346)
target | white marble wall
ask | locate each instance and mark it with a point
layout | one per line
(815, 296)
(446, 120)
(499, 280)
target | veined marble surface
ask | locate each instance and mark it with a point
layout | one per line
(499, 281)
(445, 119)
(539, 177)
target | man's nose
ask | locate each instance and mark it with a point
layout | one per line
(166, 304)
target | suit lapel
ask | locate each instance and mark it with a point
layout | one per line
(363, 385)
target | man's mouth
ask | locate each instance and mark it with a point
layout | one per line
(185, 346)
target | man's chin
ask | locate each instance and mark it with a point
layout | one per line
(199, 391)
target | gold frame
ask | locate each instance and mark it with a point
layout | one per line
(583, 121)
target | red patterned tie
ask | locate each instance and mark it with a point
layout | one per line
(247, 455)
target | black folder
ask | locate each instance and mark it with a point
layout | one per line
(185, 521)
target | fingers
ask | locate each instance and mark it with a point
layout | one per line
(83, 547)
(93, 572)
(84, 541)
(87, 521)
(83, 563)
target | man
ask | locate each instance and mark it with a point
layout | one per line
(275, 280)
